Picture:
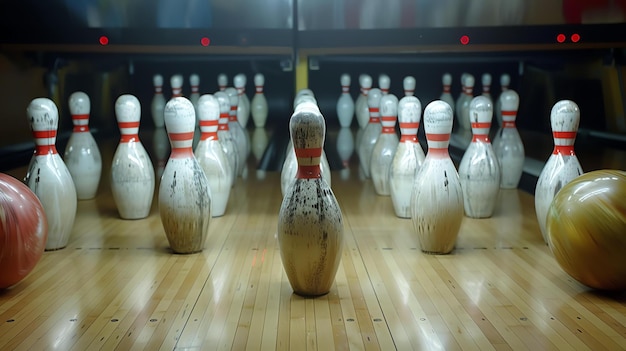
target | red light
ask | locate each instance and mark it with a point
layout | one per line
(464, 40)
(560, 38)
(104, 40)
(575, 38)
(205, 41)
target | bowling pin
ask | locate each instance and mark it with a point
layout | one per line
(345, 149)
(82, 155)
(371, 132)
(184, 193)
(161, 149)
(462, 93)
(310, 223)
(211, 156)
(446, 81)
(176, 83)
(345, 104)
(225, 136)
(48, 176)
(479, 170)
(384, 82)
(507, 143)
(360, 106)
(408, 157)
(259, 141)
(385, 146)
(222, 81)
(562, 166)
(409, 85)
(158, 101)
(505, 80)
(243, 105)
(437, 198)
(485, 79)
(194, 82)
(462, 105)
(258, 105)
(132, 173)
(239, 135)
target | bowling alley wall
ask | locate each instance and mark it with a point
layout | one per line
(325, 39)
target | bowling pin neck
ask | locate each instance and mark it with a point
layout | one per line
(365, 91)
(223, 121)
(374, 114)
(45, 142)
(389, 124)
(208, 129)
(158, 89)
(468, 90)
(564, 143)
(308, 162)
(345, 89)
(408, 132)
(446, 89)
(181, 144)
(438, 145)
(177, 92)
(241, 91)
(81, 123)
(480, 131)
(195, 89)
(233, 113)
(486, 90)
(259, 89)
(508, 118)
(128, 131)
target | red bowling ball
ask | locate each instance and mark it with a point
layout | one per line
(23, 231)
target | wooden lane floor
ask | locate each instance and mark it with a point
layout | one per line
(116, 286)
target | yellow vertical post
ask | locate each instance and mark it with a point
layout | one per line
(302, 72)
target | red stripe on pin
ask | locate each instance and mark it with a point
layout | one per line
(80, 129)
(44, 134)
(309, 153)
(409, 125)
(210, 123)
(564, 135)
(408, 138)
(128, 124)
(41, 150)
(388, 130)
(126, 138)
(309, 172)
(565, 150)
(181, 152)
(181, 136)
(481, 125)
(480, 137)
(80, 117)
(509, 113)
(438, 137)
(508, 124)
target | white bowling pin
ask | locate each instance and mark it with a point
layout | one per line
(48, 176)
(437, 200)
(225, 136)
(240, 136)
(310, 223)
(345, 104)
(176, 83)
(385, 146)
(507, 143)
(222, 81)
(132, 173)
(562, 165)
(161, 150)
(408, 157)
(194, 82)
(360, 107)
(446, 81)
(158, 101)
(485, 80)
(258, 105)
(462, 93)
(505, 80)
(345, 148)
(82, 155)
(371, 132)
(243, 105)
(384, 82)
(408, 84)
(479, 170)
(211, 156)
(462, 105)
(184, 193)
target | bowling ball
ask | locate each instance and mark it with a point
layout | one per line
(23, 230)
(586, 229)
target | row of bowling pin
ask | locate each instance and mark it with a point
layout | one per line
(310, 226)
(257, 107)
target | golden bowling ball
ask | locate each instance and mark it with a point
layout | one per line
(586, 229)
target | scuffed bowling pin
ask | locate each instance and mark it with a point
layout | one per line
(505, 80)
(184, 194)
(437, 200)
(176, 83)
(360, 106)
(462, 105)
(82, 155)
(386, 145)
(194, 82)
(371, 132)
(48, 176)
(408, 84)
(507, 143)
(479, 170)
(408, 158)
(239, 134)
(132, 173)
(211, 156)
(258, 105)
(158, 101)
(485, 79)
(384, 82)
(345, 104)
(243, 105)
(563, 165)
(446, 81)
(310, 223)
